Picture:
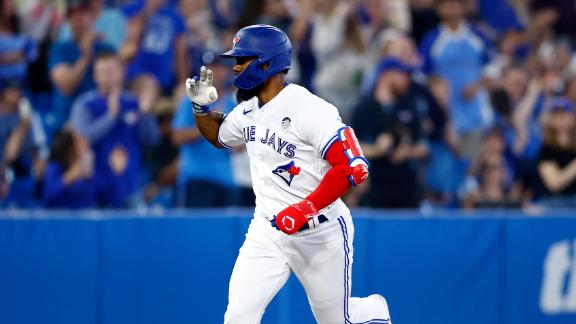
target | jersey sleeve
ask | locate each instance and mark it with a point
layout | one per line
(230, 133)
(321, 126)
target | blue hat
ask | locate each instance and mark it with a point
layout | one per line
(562, 104)
(393, 64)
(268, 45)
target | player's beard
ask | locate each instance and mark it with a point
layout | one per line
(243, 95)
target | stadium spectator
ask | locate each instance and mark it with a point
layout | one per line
(493, 178)
(444, 171)
(340, 54)
(155, 44)
(115, 125)
(457, 52)
(271, 12)
(69, 176)
(71, 62)
(524, 138)
(21, 142)
(390, 43)
(162, 159)
(109, 24)
(392, 139)
(205, 174)
(500, 15)
(16, 50)
(423, 18)
(562, 15)
(201, 33)
(557, 158)
(474, 86)
(432, 115)
(40, 19)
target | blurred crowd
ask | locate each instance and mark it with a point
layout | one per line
(456, 103)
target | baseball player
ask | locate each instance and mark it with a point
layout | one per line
(302, 160)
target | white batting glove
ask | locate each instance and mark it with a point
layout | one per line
(201, 92)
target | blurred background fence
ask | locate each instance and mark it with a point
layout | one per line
(173, 267)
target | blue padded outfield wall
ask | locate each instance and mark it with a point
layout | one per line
(173, 267)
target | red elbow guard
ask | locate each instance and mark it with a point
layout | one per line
(349, 167)
(346, 150)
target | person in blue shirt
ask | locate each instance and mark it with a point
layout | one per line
(155, 43)
(16, 50)
(68, 178)
(17, 147)
(205, 175)
(115, 125)
(457, 52)
(70, 63)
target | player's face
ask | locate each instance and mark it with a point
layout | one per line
(241, 64)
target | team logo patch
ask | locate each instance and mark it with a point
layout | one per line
(286, 122)
(287, 172)
(235, 41)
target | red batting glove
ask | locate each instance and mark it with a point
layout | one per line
(292, 218)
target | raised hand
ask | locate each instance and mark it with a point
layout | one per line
(201, 92)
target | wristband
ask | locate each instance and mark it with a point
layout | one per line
(200, 110)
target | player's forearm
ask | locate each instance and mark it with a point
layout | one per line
(349, 167)
(334, 185)
(209, 126)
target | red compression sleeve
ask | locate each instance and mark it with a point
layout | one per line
(335, 183)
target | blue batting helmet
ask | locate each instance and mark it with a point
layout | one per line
(268, 45)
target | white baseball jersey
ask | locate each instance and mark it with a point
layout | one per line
(294, 129)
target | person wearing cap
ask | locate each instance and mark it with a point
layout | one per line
(70, 62)
(392, 139)
(557, 159)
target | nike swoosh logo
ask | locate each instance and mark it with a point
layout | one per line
(246, 111)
